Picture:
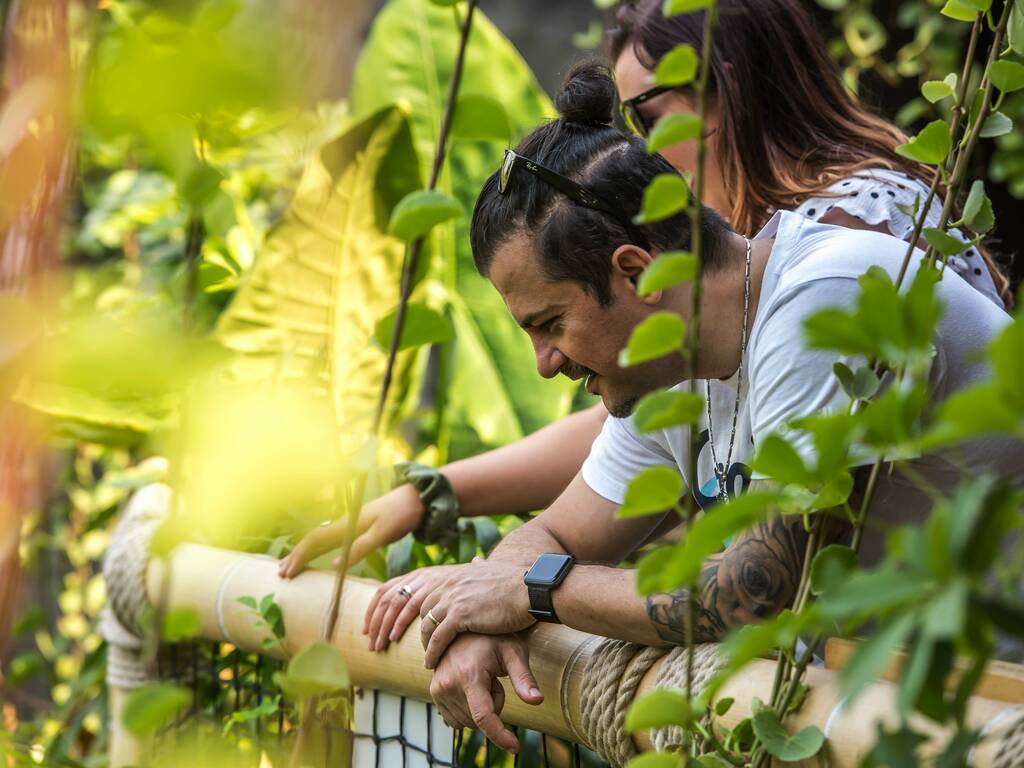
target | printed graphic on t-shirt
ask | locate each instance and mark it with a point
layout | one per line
(706, 490)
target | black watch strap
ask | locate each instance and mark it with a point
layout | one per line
(542, 607)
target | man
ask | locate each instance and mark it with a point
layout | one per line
(562, 248)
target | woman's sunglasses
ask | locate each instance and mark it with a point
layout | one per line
(575, 192)
(632, 116)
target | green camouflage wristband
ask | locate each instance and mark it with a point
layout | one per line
(441, 508)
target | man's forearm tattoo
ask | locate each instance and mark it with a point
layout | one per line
(755, 578)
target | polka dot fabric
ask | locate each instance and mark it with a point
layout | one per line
(875, 196)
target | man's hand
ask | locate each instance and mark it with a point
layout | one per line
(381, 522)
(465, 685)
(486, 597)
(390, 611)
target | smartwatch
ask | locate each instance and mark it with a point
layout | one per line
(547, 572)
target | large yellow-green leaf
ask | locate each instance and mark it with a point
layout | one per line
(329, 272)
(408, 59)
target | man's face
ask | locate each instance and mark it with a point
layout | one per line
(573, 334)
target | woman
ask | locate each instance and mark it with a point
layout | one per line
(782, 134)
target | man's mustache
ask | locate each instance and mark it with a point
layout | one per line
(575, 371)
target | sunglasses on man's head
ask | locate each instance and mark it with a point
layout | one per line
(633, 117)
(574, 191)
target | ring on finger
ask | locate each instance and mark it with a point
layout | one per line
(430, 615)
(405, 591)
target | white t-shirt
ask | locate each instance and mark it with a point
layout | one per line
(812, 266)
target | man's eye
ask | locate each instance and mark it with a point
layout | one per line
(549, 325)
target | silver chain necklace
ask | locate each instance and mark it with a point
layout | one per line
(722, 470)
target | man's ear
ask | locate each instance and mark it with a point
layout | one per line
(628, 263)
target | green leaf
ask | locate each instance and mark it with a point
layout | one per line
(668, 269)
(487, 533)
(677, 67)
(753, 641)
(959, 10)
(1015, 28)
(656, 760)
(859, 385)
(673, 129)
(249, 602)
(495, 395)
(669, 408)
(723, 705)
(936, 90)
(944, 617)
(318, 289)
(198, 187)
(780, 744)
(317, 669)
(996, 124)
(832, 564)
(978, 209)
(676, 7)
(180, 624)
(480, 117)
(872, 592)
(1006, 75)
(872, 655)
(659, 709)
(930, 146)
(267, 708)
(654, 490)
(656, 335)
(151, 706)
(864, 33)
(709, 533)
(777, 459)
(665, 196)
(651, 570)
(838, 330)
(944, 242)
(422, 325)
(420, 211)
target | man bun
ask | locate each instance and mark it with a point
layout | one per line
(588, 94)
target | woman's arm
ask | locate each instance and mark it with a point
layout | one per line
(518, 478)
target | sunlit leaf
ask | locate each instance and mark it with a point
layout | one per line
(673, 129)
(872, 655)
(657, 335)
(656, 489)
(659, 709)
(667, 270)
(651, 570)
(930, 146)
(422, 325)
(666, 195)
(677, 67)
(151, 706)
(420, 211)
(180, 624)
(676, 7)
(936, 90)
(960, 10)
(660, 410)
(778, 459)
(656, 760)
(864, 33)
(709, 533)
(317, 669)
(779, 743)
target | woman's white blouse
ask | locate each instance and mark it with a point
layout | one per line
(875, 197)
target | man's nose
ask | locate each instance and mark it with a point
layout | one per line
(549, 358)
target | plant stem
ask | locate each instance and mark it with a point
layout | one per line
(416, 247)
(694, 331)
(193, 246)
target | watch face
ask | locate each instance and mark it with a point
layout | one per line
(548, 568)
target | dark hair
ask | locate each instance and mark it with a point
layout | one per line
(574, 242)
(788, 128)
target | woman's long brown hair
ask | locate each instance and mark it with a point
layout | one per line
(788, 128)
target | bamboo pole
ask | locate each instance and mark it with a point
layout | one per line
(211, 580)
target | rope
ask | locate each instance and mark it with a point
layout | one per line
(124, 571)
(610, 682)
(1011, 746)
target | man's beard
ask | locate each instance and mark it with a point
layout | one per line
(623, 409)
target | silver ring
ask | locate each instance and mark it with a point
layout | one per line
(404, 591)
